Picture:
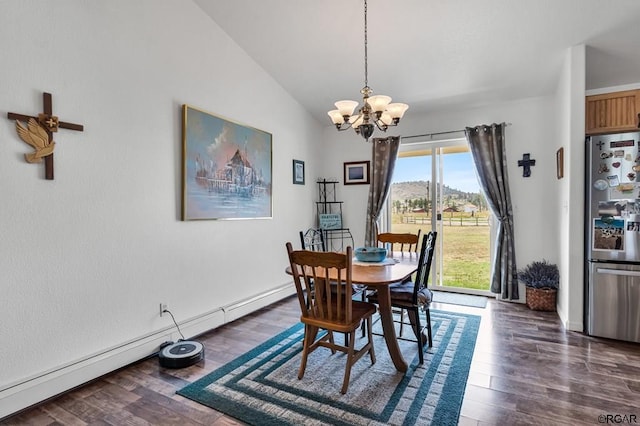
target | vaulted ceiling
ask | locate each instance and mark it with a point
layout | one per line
(431, 54)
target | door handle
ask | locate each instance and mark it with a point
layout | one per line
(618, 272)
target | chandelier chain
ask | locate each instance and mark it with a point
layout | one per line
(366, 72)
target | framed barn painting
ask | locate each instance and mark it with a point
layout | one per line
(226, 168)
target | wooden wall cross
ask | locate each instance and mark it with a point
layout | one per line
(45, 121)
(526, 163)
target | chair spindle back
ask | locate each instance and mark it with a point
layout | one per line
(424, 263)
(312, 239)
(310, 272)
(408, 242)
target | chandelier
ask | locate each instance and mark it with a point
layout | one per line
(376, 111)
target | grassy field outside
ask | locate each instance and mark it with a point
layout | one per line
(466, 259)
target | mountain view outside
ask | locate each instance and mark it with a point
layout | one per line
(462, 258)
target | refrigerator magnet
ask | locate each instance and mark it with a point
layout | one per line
(624, 191)
(600, 184)
(613, 180)
(608, 236)
(608, 209)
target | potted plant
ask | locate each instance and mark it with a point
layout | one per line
(542, 280)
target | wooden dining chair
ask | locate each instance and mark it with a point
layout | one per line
(313, 239)
(407, 243)
(415, 295)
(391, 240)
(322, 309)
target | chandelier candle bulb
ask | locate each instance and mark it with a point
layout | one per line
(356, 121)
(346, 108)
(336, 117)
(379, 103)
(397, 110)
(386, 118)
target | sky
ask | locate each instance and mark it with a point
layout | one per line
(459, 171)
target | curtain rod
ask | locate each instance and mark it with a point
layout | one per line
(439, 133)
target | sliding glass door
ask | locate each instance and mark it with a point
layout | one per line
(435, 188)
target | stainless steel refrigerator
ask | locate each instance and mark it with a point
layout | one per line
(612, 235)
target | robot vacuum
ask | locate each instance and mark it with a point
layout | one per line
(181, 354)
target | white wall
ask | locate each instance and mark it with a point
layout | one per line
(570, 238)
(86, 259)
(531, 131)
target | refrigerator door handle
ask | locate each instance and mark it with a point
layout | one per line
(618, 272)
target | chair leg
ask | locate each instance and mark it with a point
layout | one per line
(414, 318)
(372, 352)
(428, 315)
(418, 330)
(350, 356)
(362, 326)
(401, 322)
(309, 336)
(333, 351)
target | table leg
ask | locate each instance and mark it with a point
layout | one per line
(389, 331)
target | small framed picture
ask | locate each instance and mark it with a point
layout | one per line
(560, 163)
(356, 173)
(298, 172)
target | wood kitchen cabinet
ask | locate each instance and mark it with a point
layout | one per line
(612, 112)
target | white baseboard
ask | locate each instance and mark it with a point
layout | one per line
(575, 326)
(32, 390)
(241, 308)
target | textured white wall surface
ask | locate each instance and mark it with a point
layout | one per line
(86, 259)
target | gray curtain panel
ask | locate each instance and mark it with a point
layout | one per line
(383, 160)
(489, 155)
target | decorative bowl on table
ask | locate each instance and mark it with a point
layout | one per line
(370, 254)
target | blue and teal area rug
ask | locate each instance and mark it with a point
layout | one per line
(261, 387)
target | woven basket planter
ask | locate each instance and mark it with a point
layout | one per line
(541, 299)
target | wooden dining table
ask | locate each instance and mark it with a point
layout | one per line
(378, 277)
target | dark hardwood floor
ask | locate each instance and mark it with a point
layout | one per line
(526, 369)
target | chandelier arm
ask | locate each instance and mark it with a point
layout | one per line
(380, 125)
